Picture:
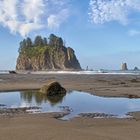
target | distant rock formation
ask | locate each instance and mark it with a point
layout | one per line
(46, 54)
(124, 66)
(136, 69)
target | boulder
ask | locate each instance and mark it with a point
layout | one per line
(52, 89)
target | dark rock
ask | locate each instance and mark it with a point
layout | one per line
(134, 80)
(132, 96)
(136, 69)
(12, 111)
(2, 105)
(12, 72)
(96, 115)
(124, 66)
(122, 83)
(52, 89)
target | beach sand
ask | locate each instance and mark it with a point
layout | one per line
(46, 127)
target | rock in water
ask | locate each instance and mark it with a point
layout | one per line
(124, 66)
(44, 55)
(52, 89)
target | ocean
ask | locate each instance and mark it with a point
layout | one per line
(93, 72)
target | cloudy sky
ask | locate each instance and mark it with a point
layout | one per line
(103, 33)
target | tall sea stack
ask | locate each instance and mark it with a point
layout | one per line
(124, 66)
(46, 54)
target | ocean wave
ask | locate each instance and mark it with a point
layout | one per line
(107, 72)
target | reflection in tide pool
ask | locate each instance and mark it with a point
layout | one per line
(78, 102)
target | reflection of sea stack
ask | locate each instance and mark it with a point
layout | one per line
(124, 66)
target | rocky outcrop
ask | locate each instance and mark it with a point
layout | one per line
(12, 72)
(52, 89)
(124, 66)
(47, 57)
(136, 69)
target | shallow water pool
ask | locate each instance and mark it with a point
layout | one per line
(75, 102)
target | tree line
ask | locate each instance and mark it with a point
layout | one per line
(39, 41)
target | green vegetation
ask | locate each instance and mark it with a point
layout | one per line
(40, 45)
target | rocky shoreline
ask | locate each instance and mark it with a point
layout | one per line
(20, 110)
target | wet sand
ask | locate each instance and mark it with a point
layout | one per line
(47, 127)
(101, 85)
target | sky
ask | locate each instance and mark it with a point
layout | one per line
(103, 33)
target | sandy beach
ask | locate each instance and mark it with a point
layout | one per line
(46, 127)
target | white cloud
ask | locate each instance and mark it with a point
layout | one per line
(24, 16)
(32, 10)
(58, 19)
(133, 32)
(8, 14)
(60, 2)
(25, 28)
(102, 11)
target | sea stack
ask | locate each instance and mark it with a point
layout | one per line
(124, 66)
(136, 69)
(46, 54)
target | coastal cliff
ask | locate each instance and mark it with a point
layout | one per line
(46, 54)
